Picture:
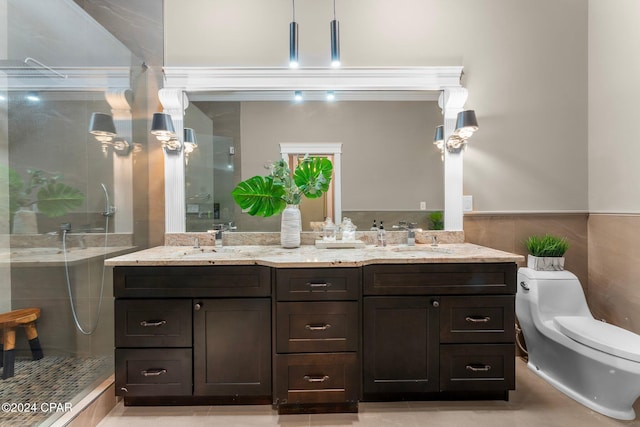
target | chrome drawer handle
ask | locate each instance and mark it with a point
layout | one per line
(316, 379)
(477, 319)
(153, 323)
(485, 368)
(318, 327)
(318, 285)
(153, 372)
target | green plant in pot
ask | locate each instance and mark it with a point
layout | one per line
(42, 190)
(436, 219)
(546, 252)
(281, 192)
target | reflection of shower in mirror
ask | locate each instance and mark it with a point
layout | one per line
(109, 209)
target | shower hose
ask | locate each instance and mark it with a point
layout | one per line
(82, 330)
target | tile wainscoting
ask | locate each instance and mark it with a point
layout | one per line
(614, 269)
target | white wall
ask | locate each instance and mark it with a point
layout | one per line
(525, 67)
(614, 89)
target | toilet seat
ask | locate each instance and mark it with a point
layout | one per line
(600, 335)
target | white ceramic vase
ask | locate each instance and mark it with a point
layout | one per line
(25, 221)
(290, 227)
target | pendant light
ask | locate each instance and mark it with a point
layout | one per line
(293, 39)
(335, 39)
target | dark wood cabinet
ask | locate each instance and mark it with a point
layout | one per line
(400, 345)
(438, 330)
(317, 339)
(314, 339)
(193, 335)
(232, 347)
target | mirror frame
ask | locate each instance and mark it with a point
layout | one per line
(378, 82)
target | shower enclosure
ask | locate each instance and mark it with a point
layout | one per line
(68, 199)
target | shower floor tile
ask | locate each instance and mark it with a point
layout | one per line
(52, 380)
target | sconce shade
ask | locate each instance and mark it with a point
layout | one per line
(335, 43)
(161, 125)
(190, 136)
(293, 44)
(466, 124)
(102, 125)
(438, 139)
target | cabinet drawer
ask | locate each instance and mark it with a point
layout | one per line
(479, 367)
(477, 319)
(153, 372)
(327, 326)
(317, 378)
(192, 282)
(440, 279)
(305, 284)
(153, 323)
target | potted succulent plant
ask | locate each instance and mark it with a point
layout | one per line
(42, 191)
(546, 252)
(281, 192)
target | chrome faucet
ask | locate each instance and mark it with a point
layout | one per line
(434, 240)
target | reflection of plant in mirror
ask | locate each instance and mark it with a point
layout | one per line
(43, 190)
(437, 220)
(269, 195)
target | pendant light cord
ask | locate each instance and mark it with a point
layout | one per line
(294, 10)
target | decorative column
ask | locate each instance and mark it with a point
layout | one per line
(452, 101)
(122, 191)
(174, 102)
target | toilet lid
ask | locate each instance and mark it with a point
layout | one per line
(601, 336)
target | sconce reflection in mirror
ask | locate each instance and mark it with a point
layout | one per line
(104, 130)
(466, 125)
(190, 143)
(162, 129)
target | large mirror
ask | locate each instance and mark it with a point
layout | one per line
(389, 167)
(384, 120)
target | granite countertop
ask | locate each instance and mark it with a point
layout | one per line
(310, 256)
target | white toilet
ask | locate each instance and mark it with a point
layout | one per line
(595, 363)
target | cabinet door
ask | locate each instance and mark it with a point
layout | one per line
(400, 345)
(232, 347)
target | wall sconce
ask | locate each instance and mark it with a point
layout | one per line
(162, 129)
(190, 143)
(466, 125)
(104, 130)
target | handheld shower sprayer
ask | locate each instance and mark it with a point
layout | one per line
(109, 209)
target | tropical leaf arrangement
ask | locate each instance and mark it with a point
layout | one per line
(52, 198)
(547, 245)
(268, 195)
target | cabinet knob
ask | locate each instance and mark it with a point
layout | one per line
(435, 303)
(197, 306)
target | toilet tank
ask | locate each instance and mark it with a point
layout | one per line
(552, 293)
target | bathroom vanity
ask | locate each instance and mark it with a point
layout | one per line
(311, 330)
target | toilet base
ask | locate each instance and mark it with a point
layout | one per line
(617, 414)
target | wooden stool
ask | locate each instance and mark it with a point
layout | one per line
(26, 318)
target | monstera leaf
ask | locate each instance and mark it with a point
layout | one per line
(56, 199)
(313, 176)
(260, 196)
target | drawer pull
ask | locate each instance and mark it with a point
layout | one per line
(477, 319)
(153, 323)
(153, 372)
(318, 327)
(316, 379)
(477, 368)
(318, 285)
